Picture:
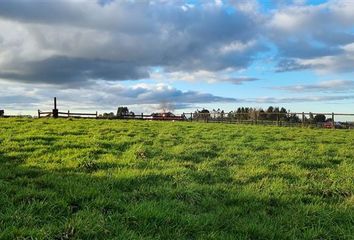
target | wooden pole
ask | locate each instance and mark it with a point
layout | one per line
(277, 119)
(191, 117)
(68, 113)
(39, 113)
(333, 123)
(303, 119)
(55, 110)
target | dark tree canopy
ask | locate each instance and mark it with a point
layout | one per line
(122, 111)
(319, 118)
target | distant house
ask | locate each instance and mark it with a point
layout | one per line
(217, 113)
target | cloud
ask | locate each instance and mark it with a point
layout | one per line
(119, 40)
(328, 64)
(203, 76)
(16, 99)
(250, 6)
(239, 80)
(106, 96)
(301, 99)
(134, 36)
(325, 86)
(287, 65)
(314, 37)
(156, 94)
(64, 70)
(103, 95)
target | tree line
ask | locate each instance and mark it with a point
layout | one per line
(258, 114)
(121, 113)
(241, 113)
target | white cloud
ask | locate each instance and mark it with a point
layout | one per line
(237, 47)
(227, 75)
(132, 35)
(77, 43)
(249, 6)
(318, 37)
(218, 3)
(324, 86)
(343, 62)
(102, 95)
(272, 100)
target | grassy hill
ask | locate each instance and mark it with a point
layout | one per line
(88, 179)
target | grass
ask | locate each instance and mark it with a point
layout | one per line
(88, 179)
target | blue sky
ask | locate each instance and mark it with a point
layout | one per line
(181, 55)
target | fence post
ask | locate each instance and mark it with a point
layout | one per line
(333, 123)
(96, 114)
(55, 110)
(39, 113)
(303, 119)
(68, 113)
(277, 119)
(191, 117)
(142, 116)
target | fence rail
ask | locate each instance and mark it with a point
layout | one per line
(264, 118)
(274, 118)
(67, 114)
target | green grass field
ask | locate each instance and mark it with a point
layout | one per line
(101, 179)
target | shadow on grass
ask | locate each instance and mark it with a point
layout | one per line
(310, 165)
(254, 179)
(76, 204)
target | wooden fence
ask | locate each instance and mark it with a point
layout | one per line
(253, 117)
(67, 114)
(264, 118)
(278, 118)
(143, 116)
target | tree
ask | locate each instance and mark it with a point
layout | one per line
(122, 111)
(203, 114)
(231, 114)
(253, 113)
(311, 118)
(262, 114)
(319, 118)
(283, 114)
(108, 115)
(270, 109)
(270, 113)
(293, 118)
